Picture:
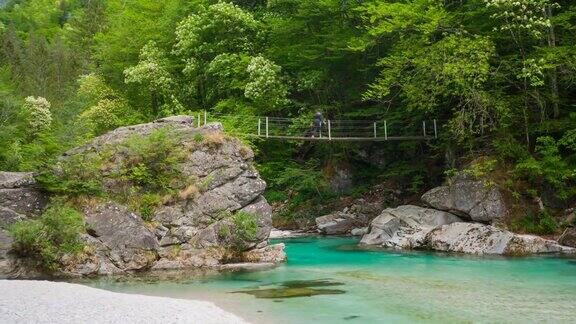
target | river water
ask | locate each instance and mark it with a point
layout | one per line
(330, 280)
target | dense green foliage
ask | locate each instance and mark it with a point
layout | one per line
(48, 238)
(237, 230)
(497, 74)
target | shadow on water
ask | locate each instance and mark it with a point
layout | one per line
(295, 288)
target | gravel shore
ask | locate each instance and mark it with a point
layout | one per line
(23, 301)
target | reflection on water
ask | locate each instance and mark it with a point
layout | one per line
(331, 280)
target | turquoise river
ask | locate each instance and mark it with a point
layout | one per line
(343, 284)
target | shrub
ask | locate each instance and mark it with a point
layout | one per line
(481, 167)
(223, 231)
(151, 162)
(148, 202)
(198, 138)
(536, 223)
(549, 167)
(78, 175)
(275, 196)
(48, 238)
(214, 140)
(245, 229)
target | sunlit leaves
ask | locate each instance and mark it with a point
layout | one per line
(529, 16)
(219, 28)
(37, 111)
(265, 85)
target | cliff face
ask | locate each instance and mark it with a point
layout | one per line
(191, 199)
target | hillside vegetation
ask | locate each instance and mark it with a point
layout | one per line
(498, 75)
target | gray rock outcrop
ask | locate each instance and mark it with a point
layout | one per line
(343, 222)
(482, 239)
(193, 228)
(568, 238)
(128, 243)
(412, 227)
(468, 198)
(19, 197)
(405, 227)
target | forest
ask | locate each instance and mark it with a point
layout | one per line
(498, 75)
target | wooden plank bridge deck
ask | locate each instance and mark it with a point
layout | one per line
(301, 129)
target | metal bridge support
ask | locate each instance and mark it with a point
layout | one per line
(266, 127)
(329, 131)
(385, 130)
(424, 128)
(259, 126)
(375, 131)
(205, 117)
(199, 122)
(435, 130)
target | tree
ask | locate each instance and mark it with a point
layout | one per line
(152, 72)
(38, 115)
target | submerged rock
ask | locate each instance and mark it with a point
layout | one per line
(276, 293)
(297, 288)
(468, 198)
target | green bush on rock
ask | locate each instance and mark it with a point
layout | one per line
(140, 172)
(535, 223)
(48, 238)
(245, 226)
(150, 162)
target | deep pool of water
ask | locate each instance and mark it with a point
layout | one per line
(361, 286)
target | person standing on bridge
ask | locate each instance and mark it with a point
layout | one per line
(317, 125)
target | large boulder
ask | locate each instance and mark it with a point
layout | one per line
(568, 238)
(19, 197)
(191, 229)
(412, 227)
(482, 239)
(405, 227)
(468, 198)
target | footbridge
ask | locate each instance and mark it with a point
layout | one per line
(302, 128)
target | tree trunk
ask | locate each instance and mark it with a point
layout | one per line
(154, 103)
(553, 72)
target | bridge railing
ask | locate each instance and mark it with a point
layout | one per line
(303, 129)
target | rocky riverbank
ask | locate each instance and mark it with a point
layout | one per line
(57, 302)
(462, 216)
(208, 211)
